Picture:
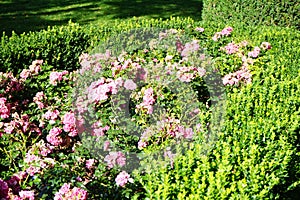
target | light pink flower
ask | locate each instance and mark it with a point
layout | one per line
(53, 136)
(54, 77)
(254, 53)
(231, 48)
(201, 71)
(190, 48)
(142, 144)
(89, 163)
(216, 36)
(226, 31)
(27, 194)
(130, 85)
(242, 75)
(51, 115)
(25, 74)
(69, 119)
(65, 188)
(38, 98)
(65, 193)
(8, 128)
(185, 77)
(200, 29)
(106, 145)
(168, 58)
(123, 178)
(115, 158)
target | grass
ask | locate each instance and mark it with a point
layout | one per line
(25, 15)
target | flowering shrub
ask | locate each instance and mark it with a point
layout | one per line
(76, 134)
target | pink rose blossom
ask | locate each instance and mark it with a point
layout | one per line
(115, 158)
(65, 188)
(106, 145)
(4, 108)
(190, 48)
(200, 29)
(226, 31)
(70, 124)
(231, 48)
(54, 77)
(201, 72)
(142, 144)
(26, 195)
(25, 74)
(53, 136)
(123, 178)
(242, 75)
(65, 193)
(130, 85)
(254, 53)
(89, 163)
(8, 128)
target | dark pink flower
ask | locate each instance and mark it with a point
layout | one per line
(4, 108)
(4, 190)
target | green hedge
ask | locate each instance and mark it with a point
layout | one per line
(58, 46)
(285, 13)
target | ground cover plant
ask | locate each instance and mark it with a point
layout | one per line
(89, 121)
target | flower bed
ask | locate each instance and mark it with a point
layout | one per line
(127, 123)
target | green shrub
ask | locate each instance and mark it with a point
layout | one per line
(283, 13)
(257, 153)
(57, 46)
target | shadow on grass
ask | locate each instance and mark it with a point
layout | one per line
(25, 15)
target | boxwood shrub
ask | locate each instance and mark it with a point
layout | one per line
(58, 46)
(285, 13)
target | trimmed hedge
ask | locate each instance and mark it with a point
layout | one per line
(285, 13)
(57, 46)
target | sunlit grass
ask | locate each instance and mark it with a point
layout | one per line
(24, 15)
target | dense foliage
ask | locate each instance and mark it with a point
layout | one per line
(254, 154)
(284, 13)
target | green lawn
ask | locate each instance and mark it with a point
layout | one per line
(25, 15)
